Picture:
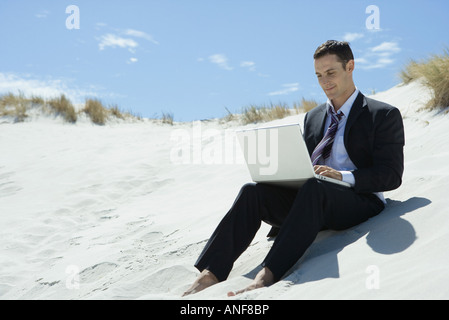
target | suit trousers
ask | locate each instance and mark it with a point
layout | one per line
(299, 213)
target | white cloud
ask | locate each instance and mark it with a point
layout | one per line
(379, 64)
(13, 83)
(352, 36)
(360, 60)
(387, 47)
(47, 88)
(112, 40)
(248, 64)
(380, 56)
(385, 61)
(287, 88)
(124, 39)
(42, 14)
(140, 34)
(221, 60)
(100, 25)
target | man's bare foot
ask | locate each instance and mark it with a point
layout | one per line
(204, 280)
(264, 278)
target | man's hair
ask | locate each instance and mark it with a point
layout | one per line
(340, 48)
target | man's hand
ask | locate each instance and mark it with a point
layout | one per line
(328, 172)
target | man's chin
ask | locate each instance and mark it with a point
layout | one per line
(329, 96)
(331, 92)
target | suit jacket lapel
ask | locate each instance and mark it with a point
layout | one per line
(356, 109)
(321, 121)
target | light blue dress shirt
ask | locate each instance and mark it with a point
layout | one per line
(339, 158)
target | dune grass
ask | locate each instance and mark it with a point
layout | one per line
(116, 112)
(434, 73)
(18, 106)
(254, 113)
(96, 111)
(167, 117)
(305, 105)
(63, 107)
(264, 113)
(14, 106)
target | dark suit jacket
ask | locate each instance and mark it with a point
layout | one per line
(374, 140)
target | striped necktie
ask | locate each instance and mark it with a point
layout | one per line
(323, 149)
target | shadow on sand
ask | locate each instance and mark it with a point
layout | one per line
(387, 233)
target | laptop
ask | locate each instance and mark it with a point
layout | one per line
(278, 155)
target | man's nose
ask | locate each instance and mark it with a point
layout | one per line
(324, 80)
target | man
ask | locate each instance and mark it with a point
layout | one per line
(350, 138)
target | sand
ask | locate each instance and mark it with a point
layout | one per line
(121, 212)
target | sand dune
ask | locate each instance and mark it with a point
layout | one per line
(119, 212)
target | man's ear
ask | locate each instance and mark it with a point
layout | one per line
(350, 65)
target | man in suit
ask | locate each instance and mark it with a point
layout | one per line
(350, 138)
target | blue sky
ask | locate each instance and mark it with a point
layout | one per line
(195, 58)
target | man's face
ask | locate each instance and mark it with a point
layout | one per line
(336, 82)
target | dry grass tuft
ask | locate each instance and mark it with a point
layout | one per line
(63, 107)
(167, 117)
(14, 106)
(255, 114)
(434, 73)
(307, 105)
(116, 112)
(96, 111)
